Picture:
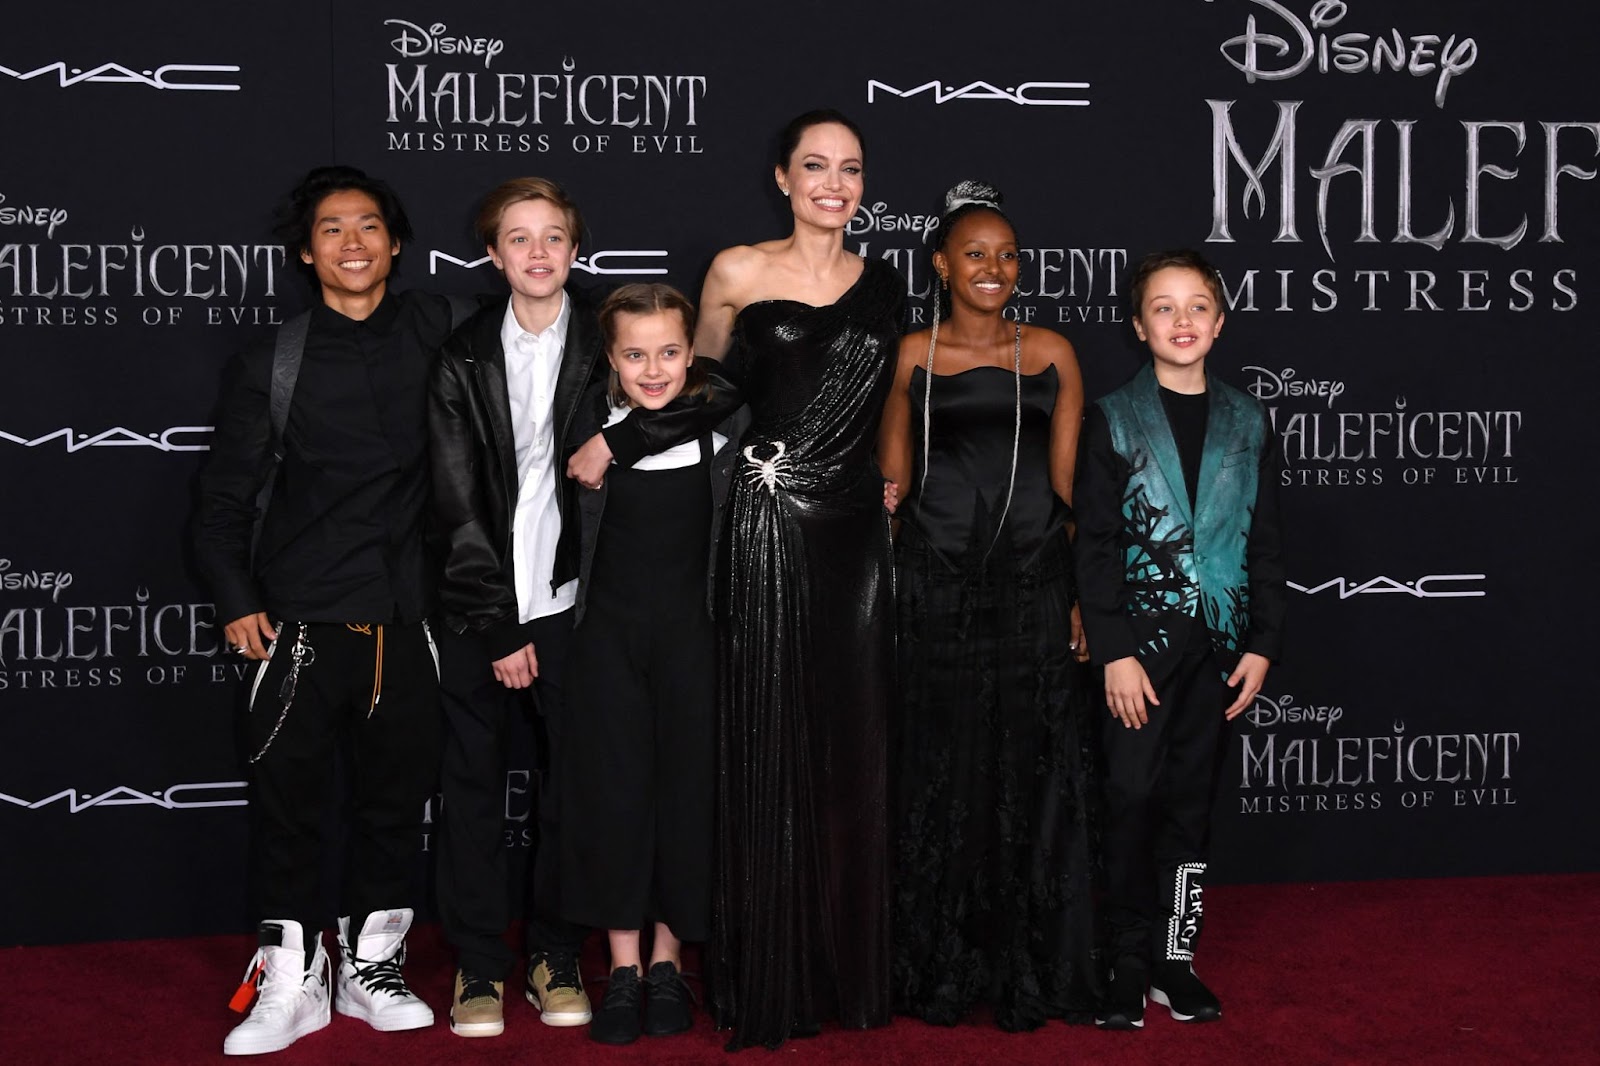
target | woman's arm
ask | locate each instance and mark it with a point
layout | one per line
(1067, 419)
(720, 301)
(894, 432)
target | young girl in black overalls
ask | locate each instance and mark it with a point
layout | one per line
(637, 764)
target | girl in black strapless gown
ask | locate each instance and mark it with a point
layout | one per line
(994, 851)
(800, 916)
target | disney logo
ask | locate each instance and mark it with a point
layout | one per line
(1266, 712)
(415, 42)
(879, 219)
(1420, 54)
(53, 581)
(32, 215)
(1270, 385)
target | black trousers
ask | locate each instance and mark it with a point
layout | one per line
(637, 780)
(475, 904)
(390, 760)
(1161, 781)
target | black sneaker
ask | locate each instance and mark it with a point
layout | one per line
(666, 1002)
(1176, 988)
(1124, 1006)
(617, 1020)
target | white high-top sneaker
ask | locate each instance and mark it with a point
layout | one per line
(291, 1000)
(370, 985)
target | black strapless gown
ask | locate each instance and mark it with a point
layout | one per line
(800, 924)
(995, 849)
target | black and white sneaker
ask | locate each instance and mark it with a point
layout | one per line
(666, 1002)
(1176, 988)
(617, 1020)
(1124, 1006)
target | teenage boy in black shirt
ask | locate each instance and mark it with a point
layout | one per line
(309, 532)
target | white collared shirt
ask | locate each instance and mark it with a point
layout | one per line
(533, 363)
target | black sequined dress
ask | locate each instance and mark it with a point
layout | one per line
(800, 927)
(995, 860)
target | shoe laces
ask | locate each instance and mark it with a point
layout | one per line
(380, 976)
(622, 991)
(666, 982)
(474, 986)
(563, 970)
(275, 990)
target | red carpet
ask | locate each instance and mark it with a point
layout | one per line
(1484, 970)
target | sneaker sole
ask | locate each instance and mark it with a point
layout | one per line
(1158, 996)
(268, 1045)
(559, 1021)
(390, 1024)
(471, 1029)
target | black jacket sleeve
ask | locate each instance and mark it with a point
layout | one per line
(473, 585)
(1269, 590)
(645, 432)
(239, 463)
(1101, 480)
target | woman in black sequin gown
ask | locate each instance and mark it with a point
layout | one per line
(994, 851)
(800, 927)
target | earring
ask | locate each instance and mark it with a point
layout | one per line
(782, 190)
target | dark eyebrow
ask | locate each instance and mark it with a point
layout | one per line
(340, 218)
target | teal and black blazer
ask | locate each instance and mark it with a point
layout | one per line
(1149, 565)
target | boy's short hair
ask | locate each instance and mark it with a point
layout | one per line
(1183, 258)
(297, 212)
(502, 196)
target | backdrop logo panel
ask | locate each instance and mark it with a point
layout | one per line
(446, 94)
(1427, 587)
(180, 77)
(72, 440)
(1303, 44)
(1372, 165)
(1293, 760)
(616, 262)
(193, 795)
(106, 283)
(49, 639)
(1023, 94)
(1055, 286)
(1401, 443)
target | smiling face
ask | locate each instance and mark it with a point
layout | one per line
(350, 250)
(534, 249)
(651, 354)
(979, 262)
(823, 178)
(1178, 317)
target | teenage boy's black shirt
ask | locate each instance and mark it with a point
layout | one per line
(342, 539)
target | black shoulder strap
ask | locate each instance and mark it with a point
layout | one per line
(287, 353)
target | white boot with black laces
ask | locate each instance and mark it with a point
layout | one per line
(370, 985)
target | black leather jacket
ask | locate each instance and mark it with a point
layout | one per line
(475, 465)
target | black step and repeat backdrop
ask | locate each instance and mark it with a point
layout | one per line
(1401, 196)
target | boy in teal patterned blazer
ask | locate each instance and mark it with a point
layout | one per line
(1182, 594)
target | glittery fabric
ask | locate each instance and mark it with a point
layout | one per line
(800, 926)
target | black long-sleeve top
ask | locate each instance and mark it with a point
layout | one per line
(342, 537)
